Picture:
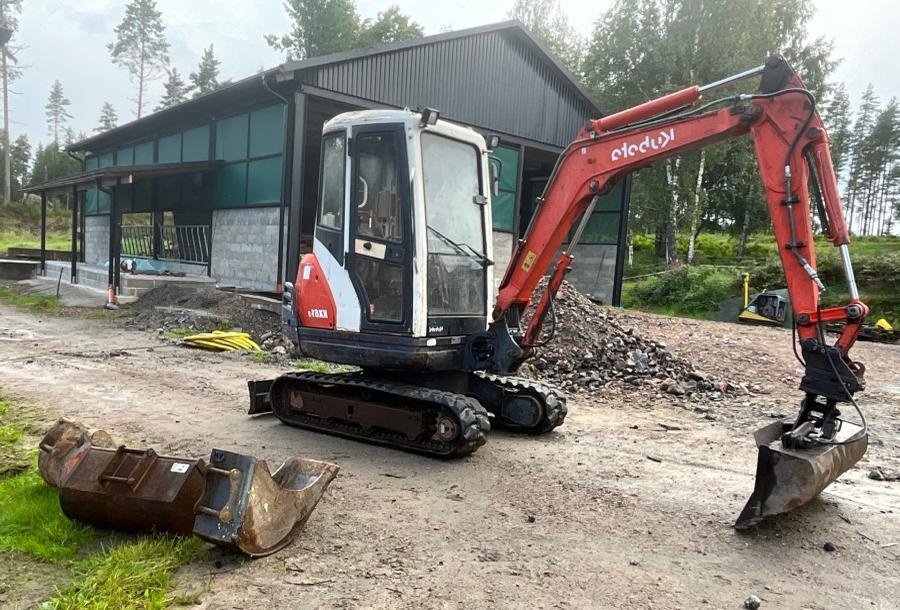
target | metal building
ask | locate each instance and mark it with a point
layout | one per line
(225, 184)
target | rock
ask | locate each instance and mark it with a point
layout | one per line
(880, 474)
(531, 519)
(829, 548)
(752, 603)
(676, 389)
(279, 350)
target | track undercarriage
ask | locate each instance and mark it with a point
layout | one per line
(442, 415)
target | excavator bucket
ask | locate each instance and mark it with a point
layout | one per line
(788, 478)
(63, 448)
(246, 507)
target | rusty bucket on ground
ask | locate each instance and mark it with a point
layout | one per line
(246, 507)
(788, 478)
(64, 446)
(233, 501)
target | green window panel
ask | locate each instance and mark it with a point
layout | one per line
(602, 228)
(90, 163)
(103, 203)
(612, 201)
(231, 138)
(106, 160)
(125, 156)
(143, 153)
(264, 181)
(505, 161)
(90, 202)
(231, 185)
(170, 149)
(267, 131)
(195, 144)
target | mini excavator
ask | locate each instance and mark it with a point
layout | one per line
(399, 279)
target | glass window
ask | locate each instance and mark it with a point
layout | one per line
(377, 195)
(505, 161)
(106, 160)
(125, 156)
(195, 145)
(331, 203)
(264, 180)
(267, 131)
(143, 153)
(383, 283)
(170, 149)
(231, 184)
(231, 138)
(90, 163)
(456, 278)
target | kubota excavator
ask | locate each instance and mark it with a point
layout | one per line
(399, 279)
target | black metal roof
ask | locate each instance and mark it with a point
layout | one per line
(87, 180)
(497, 77)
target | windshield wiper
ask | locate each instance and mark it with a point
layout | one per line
(461, 248)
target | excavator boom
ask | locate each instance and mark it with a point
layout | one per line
(792, 152)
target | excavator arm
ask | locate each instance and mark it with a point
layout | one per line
(798, 458)
(791, 148)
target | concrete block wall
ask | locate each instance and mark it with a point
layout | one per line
(96, 239)
(245, 247)
(503, 245)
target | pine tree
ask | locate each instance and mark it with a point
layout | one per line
(20, 158)
(141, 46)
(175, 90)
(56, 110)
(206, 78)
(108, 118)
(9, 9)
(837, 118)
(862, 128)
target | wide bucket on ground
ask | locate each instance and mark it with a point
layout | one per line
(788, 478)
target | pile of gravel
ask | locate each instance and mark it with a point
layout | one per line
(204, 309)
(593, 351)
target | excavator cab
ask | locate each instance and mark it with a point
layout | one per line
(401, 260)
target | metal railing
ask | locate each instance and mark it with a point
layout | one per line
(178, 243)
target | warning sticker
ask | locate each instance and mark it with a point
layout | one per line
(180, 467)
(529, 261)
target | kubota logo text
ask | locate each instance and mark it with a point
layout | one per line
(631, 149)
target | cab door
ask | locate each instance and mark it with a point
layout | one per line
(379, 253)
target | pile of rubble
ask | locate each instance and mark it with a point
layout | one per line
(204, 309)
(592, 351)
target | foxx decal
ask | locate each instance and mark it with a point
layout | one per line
(631, 149)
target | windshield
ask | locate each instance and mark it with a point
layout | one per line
(456, 278)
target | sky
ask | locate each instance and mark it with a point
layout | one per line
(66, 40)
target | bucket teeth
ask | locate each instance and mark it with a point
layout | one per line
(788, 478)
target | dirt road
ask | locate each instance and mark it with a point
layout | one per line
(579, 518)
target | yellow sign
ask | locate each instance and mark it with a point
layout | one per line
(529, 261)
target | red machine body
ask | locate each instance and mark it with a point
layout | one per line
(315, 306)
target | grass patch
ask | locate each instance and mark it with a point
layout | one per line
(316, 366)
(31, 521)
(258, 357)
(131, 575)
(35, 303)
(180, 332)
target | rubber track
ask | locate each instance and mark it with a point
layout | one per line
(554, 414)
(471, 417)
